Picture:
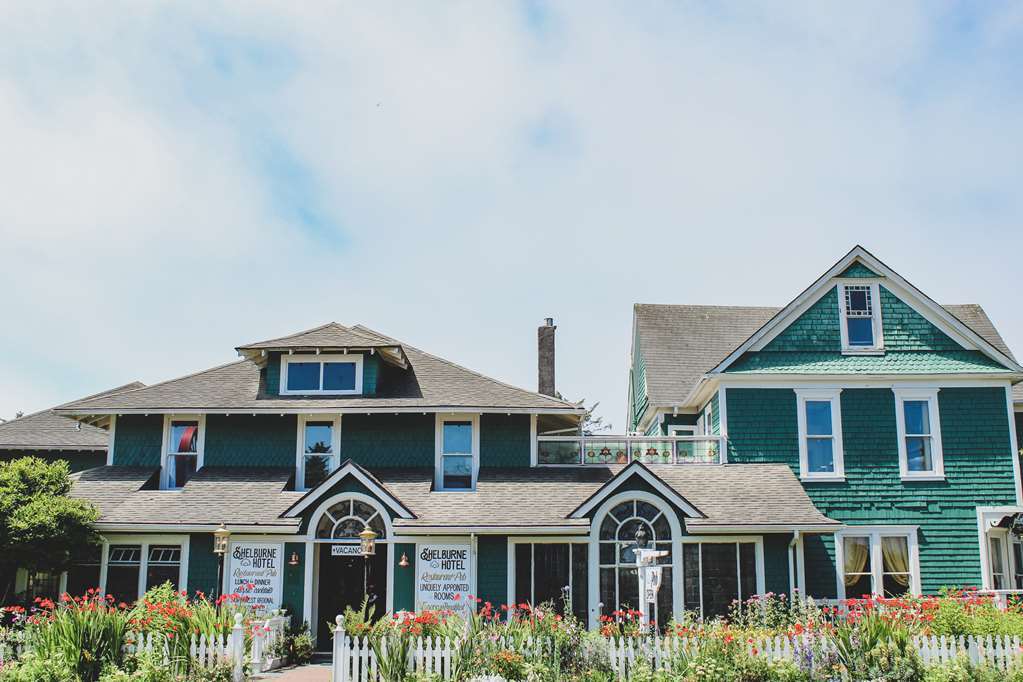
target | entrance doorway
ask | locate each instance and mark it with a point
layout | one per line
(341, 586)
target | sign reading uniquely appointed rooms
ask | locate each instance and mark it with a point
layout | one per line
(443, 576)
(256, 571)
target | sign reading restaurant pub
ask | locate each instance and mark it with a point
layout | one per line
(443, 577)
(256, 571)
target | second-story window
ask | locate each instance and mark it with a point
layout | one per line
(861, 320)
(182, 450)
(457, 452)
(820, 434)
(321, 374)
(319, 443)
(916, 416)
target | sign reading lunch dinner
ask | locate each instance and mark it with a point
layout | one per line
(443, 577)
(256, 571)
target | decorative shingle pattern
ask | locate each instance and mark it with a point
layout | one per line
(48, 430)
(920, 362)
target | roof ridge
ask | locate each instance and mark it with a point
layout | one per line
(286, 336)
(473, 372)
(160, 383)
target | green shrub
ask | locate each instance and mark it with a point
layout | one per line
(34, 668)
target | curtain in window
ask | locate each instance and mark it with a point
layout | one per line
(857, 551)
(896, 559)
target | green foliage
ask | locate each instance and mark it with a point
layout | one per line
(967, 616)
(35, 668)
(961, 670)
(40, 526)
(82, 635)
(296, 647)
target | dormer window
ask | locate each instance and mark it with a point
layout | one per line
(861, 318)
(321, 374)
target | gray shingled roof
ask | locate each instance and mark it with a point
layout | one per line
(330, 335)
(728, 495)
(432, 383)
(214, 495)
(681, 343)
(47, 430)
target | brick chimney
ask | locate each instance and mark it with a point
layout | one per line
(545, 357)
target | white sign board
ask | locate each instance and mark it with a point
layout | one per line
(352, 549)
(653, 583)
(256, 571)
(443, 576)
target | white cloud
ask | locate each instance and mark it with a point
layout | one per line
(181, 179)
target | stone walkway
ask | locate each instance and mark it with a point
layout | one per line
(314, 672)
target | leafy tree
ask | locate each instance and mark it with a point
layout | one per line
(41, 528)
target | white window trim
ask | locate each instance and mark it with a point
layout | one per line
(937, 454)
(200, 445)
(833, 396)
(144, 541)
(708, 419)
(543, 540)
(438, 463)
(335, 445)
(1008, 576)
(878, 326)
(875, 533)
(681, 430)
(758, 554)
(355, 358)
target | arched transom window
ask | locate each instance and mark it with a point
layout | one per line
(346, 519)
(619, 585)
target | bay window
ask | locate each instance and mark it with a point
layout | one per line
(819, 418)
(919, 432)
(182, 453)
(880, 561)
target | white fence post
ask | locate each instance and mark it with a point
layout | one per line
(340, 663)
(238, 648)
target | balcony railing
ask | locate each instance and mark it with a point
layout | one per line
(569, 450)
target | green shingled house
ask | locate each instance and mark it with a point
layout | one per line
(897, 414)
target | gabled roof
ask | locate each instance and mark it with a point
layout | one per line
(680, 344)
(639, 469)
(429, 383)
(47, 430)
(349, 469)
(328, 337)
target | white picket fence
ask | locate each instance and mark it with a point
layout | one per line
(355, 661)
(210, 651)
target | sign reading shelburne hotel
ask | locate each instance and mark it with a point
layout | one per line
(443, 577)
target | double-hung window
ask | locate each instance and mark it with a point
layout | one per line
(861, 317)
(319, 446)
(919, 429)
(182, 449)
(819, 418)
(306, 374)
(458, 447)
(880, 560)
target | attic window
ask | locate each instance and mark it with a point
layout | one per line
(321, 374)
(861, 319)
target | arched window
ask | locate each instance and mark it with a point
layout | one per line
(619, 583)
(346, 519)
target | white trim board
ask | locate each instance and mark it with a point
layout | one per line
(615, 483)
(349, 468)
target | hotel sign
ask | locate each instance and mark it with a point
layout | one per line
(443, 576)
(255, 571)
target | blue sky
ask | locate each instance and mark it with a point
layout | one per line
(180, 179)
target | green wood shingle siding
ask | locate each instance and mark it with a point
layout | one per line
(388, 440)
(251, 440)
(203, 566)
(293, 583)
(492, 569)
(404, 578)
(504, 440)
(906, 329)
(137, 440)
(672, 419)
(858, 270)
(776, 562)
(815, 330)
(819, 560)
(904, 362)
(978, 468)
(637, 384)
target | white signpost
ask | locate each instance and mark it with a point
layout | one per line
(256, 571)
(649, 580)
(443, 576)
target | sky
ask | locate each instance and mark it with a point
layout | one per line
(178, 179)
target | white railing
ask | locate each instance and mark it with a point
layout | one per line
(573, 450)
(208, 651)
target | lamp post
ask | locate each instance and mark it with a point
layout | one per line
(221, 536)
(368, 540)
(646, 572)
